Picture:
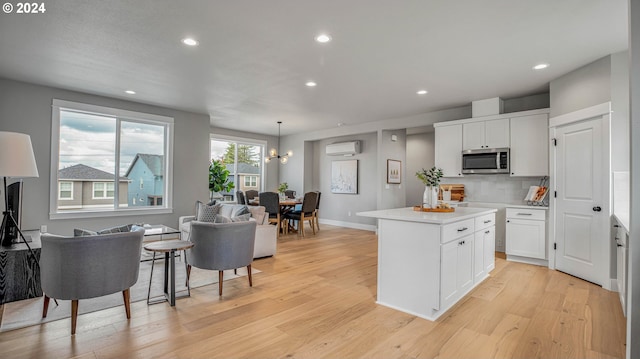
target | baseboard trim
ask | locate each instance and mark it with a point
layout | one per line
(365, 227)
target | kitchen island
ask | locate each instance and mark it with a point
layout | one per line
(427, 261)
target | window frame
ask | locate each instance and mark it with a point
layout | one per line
(120, 115)
(253, 181)
(244, 141)
(60, 191)
(105, 190)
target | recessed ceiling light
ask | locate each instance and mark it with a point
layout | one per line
(323, 38)
(130, 92)
(540, 66)
(421, 92)
(311, 84)
(189, 41)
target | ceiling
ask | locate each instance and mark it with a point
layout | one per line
(255, 56)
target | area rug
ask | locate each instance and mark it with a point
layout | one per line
(28, 312)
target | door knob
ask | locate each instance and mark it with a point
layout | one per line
(597, 209)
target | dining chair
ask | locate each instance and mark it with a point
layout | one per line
(315, 213)
(240, 198)
(271, 203)
(250, 194)
(290, 193)
(309, 203)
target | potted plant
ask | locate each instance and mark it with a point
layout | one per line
(219, 179)
(431, 179)
(282, 188)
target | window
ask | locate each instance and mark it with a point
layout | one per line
(65, 191)
(106, 151)
(250, 181)
(243, 158)
(103, 190)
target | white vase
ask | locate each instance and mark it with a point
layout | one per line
(430, 197)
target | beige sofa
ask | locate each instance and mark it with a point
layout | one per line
(266, 234)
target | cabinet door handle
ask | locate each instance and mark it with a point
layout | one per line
(508, 221)
(525, 214)
(619, 245)
(487, 232)
(487, 221)
(462, 229)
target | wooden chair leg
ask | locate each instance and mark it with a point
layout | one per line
(126, 296)
(301, 225)
(312, 224)
(249, 275)
(45, 308)
(235, 271)
(74, 315)
(220, 276)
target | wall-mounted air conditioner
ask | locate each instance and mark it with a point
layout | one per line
(343, 148)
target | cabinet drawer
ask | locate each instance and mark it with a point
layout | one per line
(485, 221)
(456, 230)
(526, 213)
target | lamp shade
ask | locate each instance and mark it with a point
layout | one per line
(16, 155)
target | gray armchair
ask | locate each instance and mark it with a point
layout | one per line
(221, 246)
(74, 268)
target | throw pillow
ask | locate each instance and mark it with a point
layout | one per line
(242, 218)
(117, 229)
(258, 212)
(78, 232)
(207, 213)
(222, 219)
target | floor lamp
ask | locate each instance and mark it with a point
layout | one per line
(16, 160)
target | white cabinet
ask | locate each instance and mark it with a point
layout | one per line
(484, 246)
(529, 145)
(485, 134)
(489, 236)
(448, 150)
(456, 269)
(479, 269)
(525, 233)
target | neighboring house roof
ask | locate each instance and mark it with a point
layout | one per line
(244, 168)
(155, 163)
(82, 172)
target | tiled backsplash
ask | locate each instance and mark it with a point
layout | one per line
(499, 188)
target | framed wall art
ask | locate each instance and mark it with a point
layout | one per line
(344, 176)
(394, 171)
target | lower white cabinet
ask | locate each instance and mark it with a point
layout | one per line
(525, 233)
(484, 248)
(489, 237)
(457, 269)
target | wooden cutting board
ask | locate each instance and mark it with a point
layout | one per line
(457, 191)
(423, 209)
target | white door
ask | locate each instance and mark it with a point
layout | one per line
(581, 209)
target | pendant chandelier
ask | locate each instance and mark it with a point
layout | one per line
(273, 154)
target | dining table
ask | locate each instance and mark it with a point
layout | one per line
(286, 205)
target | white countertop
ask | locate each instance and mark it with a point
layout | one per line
(409, 215)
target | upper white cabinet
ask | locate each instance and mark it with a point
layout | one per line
(485, 134)
(526, 133)
(530, 145)
(448, 150)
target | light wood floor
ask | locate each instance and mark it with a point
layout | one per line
(316, 298)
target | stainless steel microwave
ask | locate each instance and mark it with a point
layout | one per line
(487, 160)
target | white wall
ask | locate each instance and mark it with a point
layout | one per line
(420, 154)
(620, 106)
(587, 86)
(391, 195)
(26, 108)
(633, 316)
(339, 208)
